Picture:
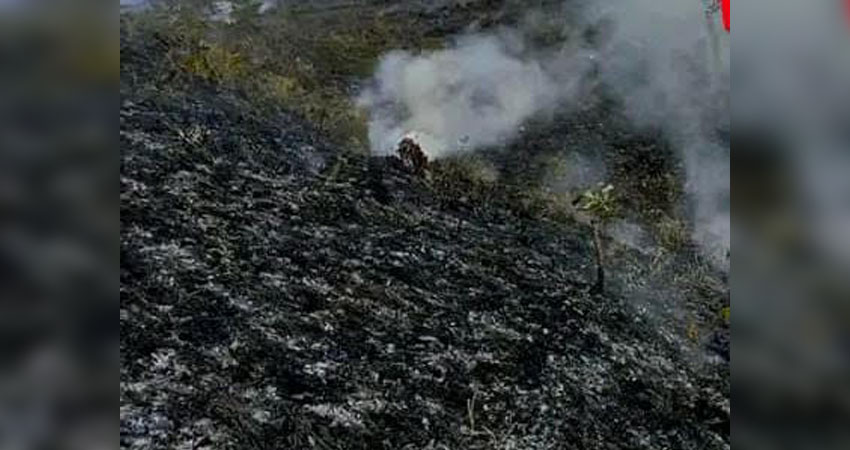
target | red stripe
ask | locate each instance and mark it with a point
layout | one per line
(727, 12)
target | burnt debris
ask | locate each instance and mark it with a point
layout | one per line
(412, 155)
(262, 307)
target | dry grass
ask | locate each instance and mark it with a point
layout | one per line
(306, 62)
(671, 233)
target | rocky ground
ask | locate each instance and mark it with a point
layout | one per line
(279, 291)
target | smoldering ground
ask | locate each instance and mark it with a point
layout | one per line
(267, 303)
(666, 62)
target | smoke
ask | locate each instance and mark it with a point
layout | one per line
(661, 58)
(476, 93)
(669, 64)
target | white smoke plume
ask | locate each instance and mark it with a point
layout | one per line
(476, 93)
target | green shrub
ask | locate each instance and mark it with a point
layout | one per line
(601, 203)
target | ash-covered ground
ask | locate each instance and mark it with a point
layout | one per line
(281, 291)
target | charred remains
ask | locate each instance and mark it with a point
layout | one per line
(412, 155)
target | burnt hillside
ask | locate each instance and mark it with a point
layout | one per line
(282, 289)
